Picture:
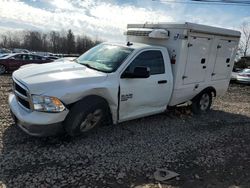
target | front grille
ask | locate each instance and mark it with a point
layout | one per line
(22, 95)
(23, 102)
(19, 89)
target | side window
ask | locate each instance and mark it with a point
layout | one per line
(29, 57)
(24, 57)
(37, 57)
(152, 59)
(18, 57)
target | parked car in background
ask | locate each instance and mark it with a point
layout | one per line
(4, 51)
(52, 57)
(233, 76)
(65, 59)
(3, 55)
(20, 50)
(242, 76)
(13, 61)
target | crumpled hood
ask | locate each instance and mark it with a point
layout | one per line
(47, 77)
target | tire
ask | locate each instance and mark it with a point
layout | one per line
(86, 115)
(202, 103)
(2, 69)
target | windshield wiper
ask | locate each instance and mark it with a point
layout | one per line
(89, 66)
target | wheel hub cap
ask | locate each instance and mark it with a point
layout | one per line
(204, 102)
(91, 120)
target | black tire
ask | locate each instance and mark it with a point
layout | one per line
(202, 103)
(79, 117)
(2, 69)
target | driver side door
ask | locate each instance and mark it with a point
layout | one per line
(144, 96)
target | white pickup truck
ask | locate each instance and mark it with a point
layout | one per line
(160, 65)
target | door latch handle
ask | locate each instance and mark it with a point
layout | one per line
(204, 67)
(162, 81)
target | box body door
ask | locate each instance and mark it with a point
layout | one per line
(197, 59)
(225, 54)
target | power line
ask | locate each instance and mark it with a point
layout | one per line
(209, 2)
(223, 1)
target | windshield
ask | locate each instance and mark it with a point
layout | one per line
(104, 57)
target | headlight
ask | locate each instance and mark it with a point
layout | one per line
(47, 104)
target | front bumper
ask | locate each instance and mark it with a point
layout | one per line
(36, 123)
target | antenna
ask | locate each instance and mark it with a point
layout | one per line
(129, 43)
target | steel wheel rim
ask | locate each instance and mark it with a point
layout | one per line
(91, 120)
(204, 102)
(2, 69)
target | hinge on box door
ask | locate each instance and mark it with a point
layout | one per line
(183, 77)
(189, 44)
(213, 74)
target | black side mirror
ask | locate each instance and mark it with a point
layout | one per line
(139, 72)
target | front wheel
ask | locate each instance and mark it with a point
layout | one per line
(86, 115)
(202, 103)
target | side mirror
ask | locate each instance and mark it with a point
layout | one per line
(139, 72)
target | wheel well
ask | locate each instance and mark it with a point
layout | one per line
(92, 97)
(206, 90)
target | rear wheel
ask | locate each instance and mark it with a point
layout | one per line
(2, 69)
(202, 103)
(86, 115)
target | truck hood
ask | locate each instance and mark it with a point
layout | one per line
(42, 78)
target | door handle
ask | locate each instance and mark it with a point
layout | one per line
(162, 81)
(204, 67)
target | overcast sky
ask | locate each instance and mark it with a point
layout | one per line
(108, 19)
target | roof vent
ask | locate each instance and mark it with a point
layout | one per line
(159, 34)
(146, 32)
(138, 32)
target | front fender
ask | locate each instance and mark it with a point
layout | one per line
(110, 94)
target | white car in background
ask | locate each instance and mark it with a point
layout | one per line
(243, 76)
(234, 76)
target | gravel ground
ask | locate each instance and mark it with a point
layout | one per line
(212, 150)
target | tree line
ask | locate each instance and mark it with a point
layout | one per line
(53, 41)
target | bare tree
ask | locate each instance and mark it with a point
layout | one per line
(54, 38)
(54, 41)
(244, 45)
(4, 41)
(70, 42)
